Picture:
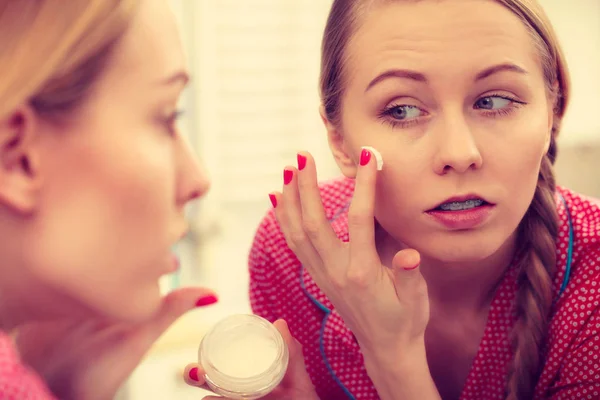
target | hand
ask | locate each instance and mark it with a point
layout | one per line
(296, 384)
(387, 309)
(91, 360)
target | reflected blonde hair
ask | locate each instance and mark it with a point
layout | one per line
(538, 230)
(53, 51)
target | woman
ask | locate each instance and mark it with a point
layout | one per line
(459, 270)
(94, 177)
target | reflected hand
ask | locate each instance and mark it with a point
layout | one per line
(90, 360)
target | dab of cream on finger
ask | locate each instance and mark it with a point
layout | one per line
(377, 155)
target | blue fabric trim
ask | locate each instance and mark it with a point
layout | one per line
(327, 312)
(569, 250)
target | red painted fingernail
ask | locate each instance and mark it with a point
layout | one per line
(273, 199)
(301, 162)
(193, 374)
(287, 176)
(206, 300)
(411, 268)
(365, 157)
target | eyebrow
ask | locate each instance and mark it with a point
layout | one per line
(419, 77)
(180, 76)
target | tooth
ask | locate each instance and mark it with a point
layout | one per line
(377, 155)
(461, 205)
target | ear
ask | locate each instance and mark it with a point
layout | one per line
(339, 147)
(19, 181)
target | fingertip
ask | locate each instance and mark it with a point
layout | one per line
(193, 375)
(368, 153)
(273, 199)
(407, 260)
(288, 174)
(282, 326)
(301, 159)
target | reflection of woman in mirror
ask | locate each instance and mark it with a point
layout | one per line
(479, 277)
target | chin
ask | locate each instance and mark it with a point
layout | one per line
(134, 306)
(461, 249)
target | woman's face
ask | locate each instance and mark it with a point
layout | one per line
(115, 180)
(452, 94)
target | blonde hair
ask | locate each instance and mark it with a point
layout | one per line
(53, 51)
(538, 230)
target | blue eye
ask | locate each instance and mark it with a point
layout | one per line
(403, 112)
(493, 103)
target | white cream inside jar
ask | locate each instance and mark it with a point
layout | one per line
(244, 357)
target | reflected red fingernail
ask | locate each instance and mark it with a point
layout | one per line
(365, 157)
(411, 268)
(193, 374)
(273, 199)
(207, 300)
(301, 162)
(288, 175)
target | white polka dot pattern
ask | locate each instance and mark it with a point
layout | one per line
(281, 288)
(16, 381)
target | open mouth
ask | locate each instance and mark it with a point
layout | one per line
(461, 205)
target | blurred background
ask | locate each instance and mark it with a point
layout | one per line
(253, 103)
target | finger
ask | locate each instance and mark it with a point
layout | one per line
(408, 280)
(289, 215)
(296, 375)
(314, 220)
(361, 220)
(193, 375)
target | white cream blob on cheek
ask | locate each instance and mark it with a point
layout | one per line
(377, 155)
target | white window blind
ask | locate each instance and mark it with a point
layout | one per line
(256, 68)
(252, 104)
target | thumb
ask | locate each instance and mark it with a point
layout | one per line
(407, 274)
(174, 305)
(296, 373)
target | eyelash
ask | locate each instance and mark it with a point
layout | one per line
(171, 120)
(385, 115)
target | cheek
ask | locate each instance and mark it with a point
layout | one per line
(109, 219)
(514, 159)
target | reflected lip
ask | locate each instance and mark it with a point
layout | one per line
(182, 235)
(176, 262)
(470, 196)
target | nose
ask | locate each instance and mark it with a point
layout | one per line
(192, 179)
(456, 146)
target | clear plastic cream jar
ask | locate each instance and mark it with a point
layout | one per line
(244, 357)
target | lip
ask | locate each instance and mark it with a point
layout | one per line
(463, 219)
(173, 264)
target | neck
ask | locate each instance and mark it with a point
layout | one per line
(25, 300)
(458, 286)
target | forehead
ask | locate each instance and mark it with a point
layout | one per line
(438, 37)
(152, 48)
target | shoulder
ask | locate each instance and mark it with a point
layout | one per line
(578, 243)
(17, 382)
(583, 211)
(578, 263)
(574, 332)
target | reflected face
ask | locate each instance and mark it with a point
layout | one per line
(452, 94)
(116, 182)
